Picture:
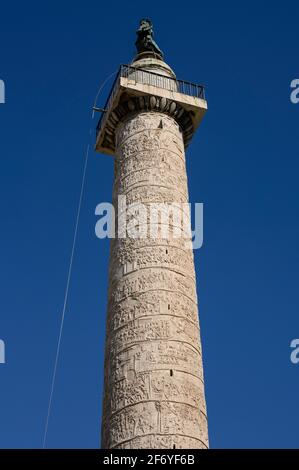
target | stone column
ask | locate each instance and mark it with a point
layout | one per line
(154, 393)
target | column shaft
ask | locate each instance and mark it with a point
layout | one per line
(154, 393)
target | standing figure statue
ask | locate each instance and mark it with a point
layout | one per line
(145, 41)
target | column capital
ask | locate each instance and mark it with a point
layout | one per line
(139, 89)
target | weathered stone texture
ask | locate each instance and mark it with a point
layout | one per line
(154, 393)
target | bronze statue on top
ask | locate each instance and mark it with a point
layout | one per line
(145, 41)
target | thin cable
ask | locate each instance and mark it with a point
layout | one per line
(66, 296)
(70, 271)
(100, 89)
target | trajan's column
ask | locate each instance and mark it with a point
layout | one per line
(154, 389)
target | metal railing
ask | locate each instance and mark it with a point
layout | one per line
(146, 77)
(162, 81)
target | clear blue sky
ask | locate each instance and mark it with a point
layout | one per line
(243, 164)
